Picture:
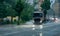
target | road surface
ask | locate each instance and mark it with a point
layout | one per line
(48, 29)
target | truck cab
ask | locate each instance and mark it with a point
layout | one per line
(38, 17)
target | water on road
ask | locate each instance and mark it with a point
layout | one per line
(46, 29)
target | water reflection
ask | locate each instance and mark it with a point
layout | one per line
(33, 27)
(38, 30)
(37, 34)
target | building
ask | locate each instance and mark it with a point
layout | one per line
(30, 2)
(56, 7)
(37, 4)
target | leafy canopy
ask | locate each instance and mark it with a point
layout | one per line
(46, 5)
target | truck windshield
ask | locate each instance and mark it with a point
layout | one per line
(37, 15)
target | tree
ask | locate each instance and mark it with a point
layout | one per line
(26, 15)
(2, 10)
(6, 9)
(1, 1)
(45, 6)
(11, 12)
(11, 2)
(19, 8)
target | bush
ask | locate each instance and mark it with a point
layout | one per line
(25, 18)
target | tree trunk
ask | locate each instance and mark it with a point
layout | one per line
(45, 12)
(44, 17)
(18, 20)
(11, 19)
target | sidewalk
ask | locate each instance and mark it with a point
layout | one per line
(30, 24)
(16, 26)
(9, 25)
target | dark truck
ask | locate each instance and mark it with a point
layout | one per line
(38, 17)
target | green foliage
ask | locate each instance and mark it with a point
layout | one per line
(11, 11)
(19, 7)
(1, 1)
(46, 5)
(16, 8)
(27, 13)
(6, 10)
(2, 10)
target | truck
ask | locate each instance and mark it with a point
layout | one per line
(38, 17)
